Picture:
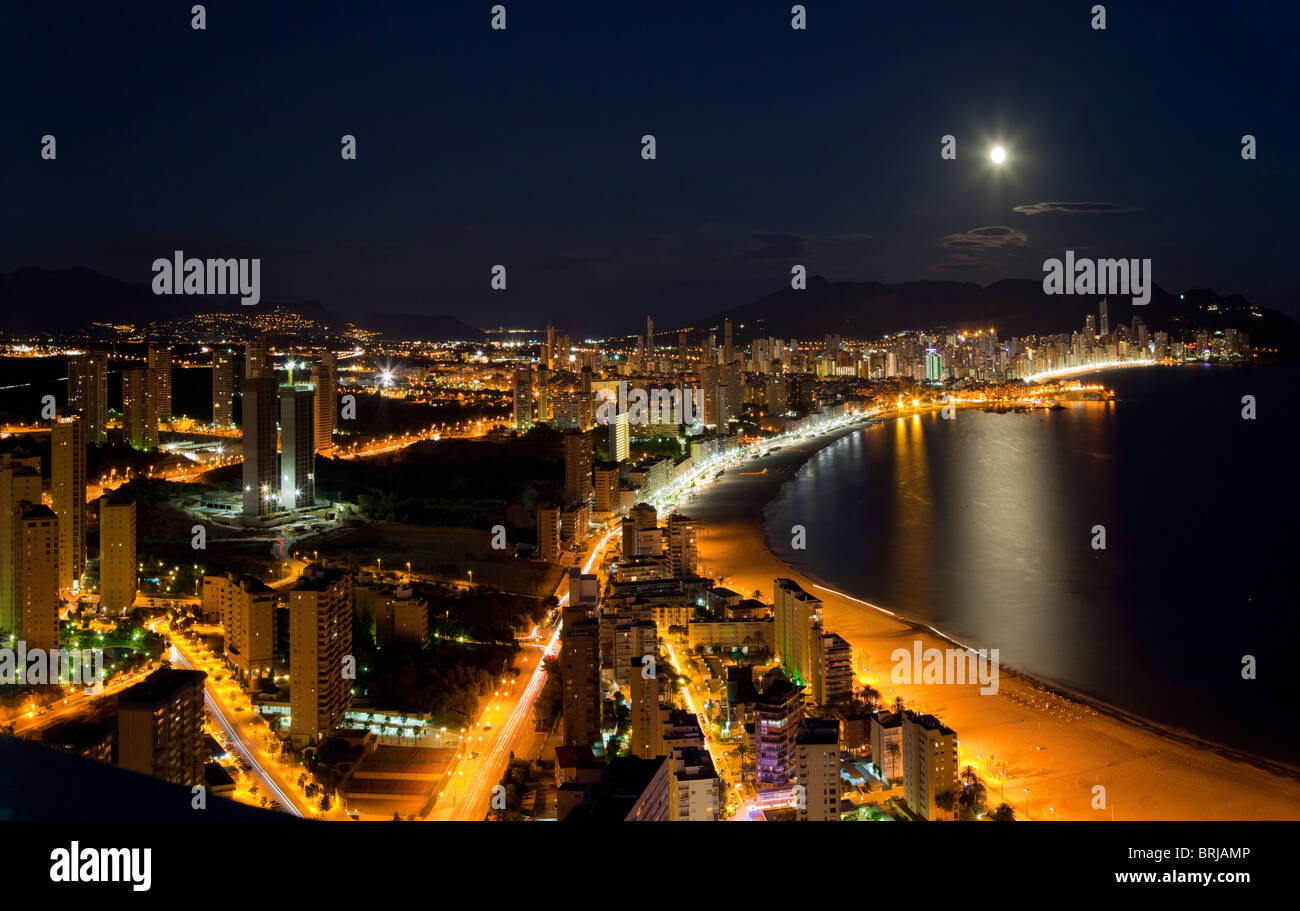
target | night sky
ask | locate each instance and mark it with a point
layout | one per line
(522, 147)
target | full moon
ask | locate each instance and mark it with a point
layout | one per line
(998, 155)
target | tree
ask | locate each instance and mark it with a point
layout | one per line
(1003, 813)
(973, 796)
(898, 703)
(946, 801)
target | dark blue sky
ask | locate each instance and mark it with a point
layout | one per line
(522, 147)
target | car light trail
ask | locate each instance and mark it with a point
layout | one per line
(237, 739)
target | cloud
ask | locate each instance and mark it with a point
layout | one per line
(1073, 208)
(982, 247)
(992, 237)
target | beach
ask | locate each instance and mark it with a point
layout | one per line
(1056, 748)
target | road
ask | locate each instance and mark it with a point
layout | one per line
(511, 720)
(243, 736)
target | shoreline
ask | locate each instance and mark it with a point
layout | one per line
(1149, 771)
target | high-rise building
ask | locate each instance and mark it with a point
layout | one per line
(817, 769)
(683, 551)
(649, 337)
(139, 408)
(696, 792)
(159, 361)
(588, 400)
(247, 610)
(577, 467)
(620, 437)
(523, 399)
(255, 359)
(580, 661)
(835, 682)
(88, 392)
(1105, 318)
(325, 377)
(160, 726)
(20, 487)
(548, 358)
(68, 493)
(606, 474)
(580, 677)
(320, 637)
(628, 789)
(297, 447)
(549, 521)
(641, 535)
(634, 640)
(647, 726)
(777, 711)
(543, 395)
(887, 745)
(929, 764)
(118, 571)
(261, 481)
(798, 621)
(584, 595)
(37, 577)
(728, 344)
(400, 617)
(223, 387)
(715, 396)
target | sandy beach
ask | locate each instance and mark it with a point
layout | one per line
(1056, 749)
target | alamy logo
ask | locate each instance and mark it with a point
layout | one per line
(951, 665)
(212, 276)
(76, 864)
(23, 666)
(654, 406)
(1120, 277)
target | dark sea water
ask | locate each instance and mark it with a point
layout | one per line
(982, 527)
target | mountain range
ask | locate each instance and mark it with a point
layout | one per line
(39, 301)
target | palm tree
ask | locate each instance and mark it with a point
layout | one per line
(973, 796)
(1003, 813)
(898, 703)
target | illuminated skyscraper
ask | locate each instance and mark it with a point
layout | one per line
(929, 764)
(88, 392)
(577, 467)
(118, 571)
(297, 446)
(320, 636)
(223, 387)
(325, 377)
(160, 372)
(139, 409)
(261, 481)
(37, 577)
(798, 617)
(620, 437)
(20, 487)
(523, 399)
(68, 492)
(255, 358)
(160, 726)
(683, 552)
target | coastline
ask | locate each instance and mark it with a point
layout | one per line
(1057, 745)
